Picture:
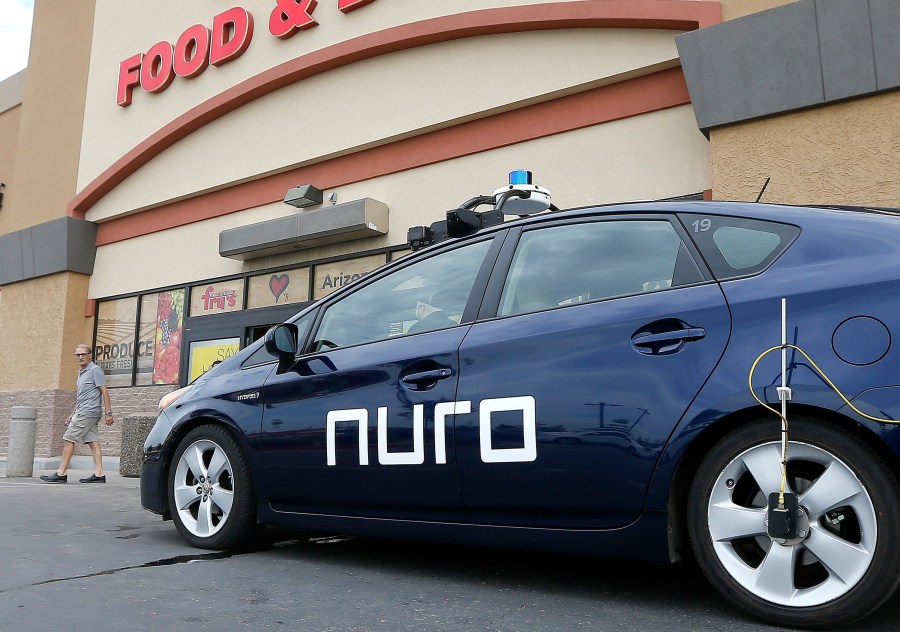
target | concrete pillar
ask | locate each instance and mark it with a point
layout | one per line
(22, 427)
(134, 431)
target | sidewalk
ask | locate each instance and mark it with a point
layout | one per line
(79, 467)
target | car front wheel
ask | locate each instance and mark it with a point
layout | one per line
(210, 492)
(844, 561)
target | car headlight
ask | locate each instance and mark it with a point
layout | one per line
(170, 398)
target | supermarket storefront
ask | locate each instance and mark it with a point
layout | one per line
(186, 175)
(391, 112)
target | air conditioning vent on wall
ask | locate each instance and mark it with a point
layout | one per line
(333, 224)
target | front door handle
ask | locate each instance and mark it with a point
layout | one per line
(667, 341)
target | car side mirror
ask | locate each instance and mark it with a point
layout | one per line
(281, 342)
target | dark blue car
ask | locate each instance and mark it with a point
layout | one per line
(589, 382)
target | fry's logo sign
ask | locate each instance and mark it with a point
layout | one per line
(199, 46)
(218, 300)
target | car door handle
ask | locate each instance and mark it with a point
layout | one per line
(666, 341)
(426, 376)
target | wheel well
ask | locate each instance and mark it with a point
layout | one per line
(166, 462)
(687, 468)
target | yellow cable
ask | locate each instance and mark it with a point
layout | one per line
(784, 421)
(824, 377)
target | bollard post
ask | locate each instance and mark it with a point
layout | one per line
(22, 429)
(134, 430)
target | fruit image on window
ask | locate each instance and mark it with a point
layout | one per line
(167, 360)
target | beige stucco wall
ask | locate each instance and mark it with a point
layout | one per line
(732, 9)
(113, 130)
(11, 90)
(49, 136)
(43, 319)
(605, 163)
(846, 153)
(9, 128)
(368, 103)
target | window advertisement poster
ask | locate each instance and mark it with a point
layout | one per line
(333, 276)
(114, 349)
(267, 290)
(167, 340)
(146, 339)
(217, 298)
(205, 354)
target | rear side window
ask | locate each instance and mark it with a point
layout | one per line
(575, 263)
(736, 247)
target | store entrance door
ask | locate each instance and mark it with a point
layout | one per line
(211, 339)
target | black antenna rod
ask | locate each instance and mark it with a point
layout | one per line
(763, 189)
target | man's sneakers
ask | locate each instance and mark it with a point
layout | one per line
(93, 478)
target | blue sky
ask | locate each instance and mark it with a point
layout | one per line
(15, 35)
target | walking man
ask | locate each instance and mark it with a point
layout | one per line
(82, 425)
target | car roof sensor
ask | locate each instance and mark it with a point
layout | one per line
(520, 197)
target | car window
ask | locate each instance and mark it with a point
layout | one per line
(745, 247)
(737, 247)
(425, 296)
(574, 263)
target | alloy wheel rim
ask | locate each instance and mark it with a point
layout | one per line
(204, 488)
(828, 560)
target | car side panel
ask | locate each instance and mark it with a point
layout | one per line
(837, 271)
(603, 410)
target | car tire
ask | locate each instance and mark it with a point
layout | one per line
(845, 561)
(210, 490)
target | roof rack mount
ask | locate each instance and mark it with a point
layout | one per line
(521, 197)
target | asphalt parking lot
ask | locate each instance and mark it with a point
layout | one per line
(87, 557)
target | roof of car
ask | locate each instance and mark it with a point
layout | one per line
(750, 210)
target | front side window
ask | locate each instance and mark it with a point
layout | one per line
(425, 296)
(574, 263)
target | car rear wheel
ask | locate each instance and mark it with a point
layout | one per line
(844, 561)
(210, 491)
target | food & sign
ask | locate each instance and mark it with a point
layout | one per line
(199, 45)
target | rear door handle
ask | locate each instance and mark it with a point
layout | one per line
(666, 341)
(424, 377)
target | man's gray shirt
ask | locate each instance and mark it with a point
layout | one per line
(90, 379)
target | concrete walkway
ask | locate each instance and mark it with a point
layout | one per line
(81, 466)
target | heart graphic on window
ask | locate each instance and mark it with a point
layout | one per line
(278, 284)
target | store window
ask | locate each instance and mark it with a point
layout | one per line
(140, 346)
(167, 338)
(217, 298)
(287, 286)
(145, 340)
(334, 276)
(114, 348)
(205, 354)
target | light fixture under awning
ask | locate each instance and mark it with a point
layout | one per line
(333, 224)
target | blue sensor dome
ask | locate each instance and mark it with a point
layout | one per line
(520, 176)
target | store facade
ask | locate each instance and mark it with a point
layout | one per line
(224, 164)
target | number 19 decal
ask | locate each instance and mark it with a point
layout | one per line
(701, 225)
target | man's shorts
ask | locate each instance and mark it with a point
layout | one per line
(82, 429)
